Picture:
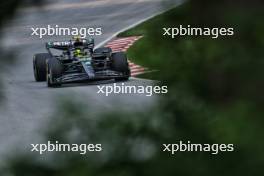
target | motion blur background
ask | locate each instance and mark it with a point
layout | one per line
(215, 96)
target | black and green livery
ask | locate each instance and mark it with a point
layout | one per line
(79, 62)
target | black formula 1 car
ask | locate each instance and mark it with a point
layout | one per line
(79, 62)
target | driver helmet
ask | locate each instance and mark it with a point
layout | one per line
(78, 52)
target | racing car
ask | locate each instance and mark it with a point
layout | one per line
(78, 61)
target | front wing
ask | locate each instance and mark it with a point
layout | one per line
(79, 77)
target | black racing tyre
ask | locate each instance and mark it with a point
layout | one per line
(120, 64)
(39, 66)
(103, 50)
(54, 71)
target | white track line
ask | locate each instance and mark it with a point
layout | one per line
(135, 24)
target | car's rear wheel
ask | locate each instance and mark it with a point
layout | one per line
(54, 72)
(39, 66)
(120, 64)
(103, 50)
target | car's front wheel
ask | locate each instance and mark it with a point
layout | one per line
(54, 72)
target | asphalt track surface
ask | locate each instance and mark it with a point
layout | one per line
(28, 105)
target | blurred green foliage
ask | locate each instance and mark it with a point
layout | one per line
(7, 13)
(9, 8)
(215, 96)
